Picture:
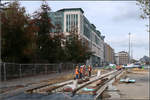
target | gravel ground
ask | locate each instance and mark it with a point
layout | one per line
(17, 86)
(128, 91)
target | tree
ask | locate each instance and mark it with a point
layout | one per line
(77, 52)
(16, 37)
(145, 6)
(58, 54)
(44, 42)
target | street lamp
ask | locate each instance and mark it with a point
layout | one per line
(129, 47)
(0, 33)
(0, 41)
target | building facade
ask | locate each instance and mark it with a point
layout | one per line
(122, 58)
(73, 19)
(109, 55)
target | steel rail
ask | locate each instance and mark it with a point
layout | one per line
(89, 82)
(105, 85)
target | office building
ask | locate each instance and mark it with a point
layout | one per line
(109, 55)
(69, 19)
(122, 58)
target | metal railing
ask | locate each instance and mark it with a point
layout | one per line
(15, 70)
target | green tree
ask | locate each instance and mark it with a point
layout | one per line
(16, 38)
(44, 41)
(77, 52)
(145, 6)
(58, 51)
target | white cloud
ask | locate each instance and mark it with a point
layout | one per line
(115, 19)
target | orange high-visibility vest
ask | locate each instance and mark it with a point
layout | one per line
(81, 69)
(84, 69)
(89, 68)
(76, 71)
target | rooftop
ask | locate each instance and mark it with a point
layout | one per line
(64, 9)
(123, 52)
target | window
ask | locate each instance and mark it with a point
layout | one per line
(67, 23)
(86, 32)
(72, 20)
(76, 20)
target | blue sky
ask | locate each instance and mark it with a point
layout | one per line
(115, 19)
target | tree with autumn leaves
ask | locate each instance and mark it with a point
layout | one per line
(28, 39)
(17, 34)
(77, 51)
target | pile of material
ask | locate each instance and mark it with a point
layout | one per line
(93, 87)
(80, 81)
(68, 88)
(127, 80)
(138, 69)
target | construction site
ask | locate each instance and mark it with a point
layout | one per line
(102, 84)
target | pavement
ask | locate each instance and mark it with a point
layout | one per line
(128, 91)
(30, 80)
(17, 86)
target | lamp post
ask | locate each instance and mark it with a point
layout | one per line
(149, 32)
(129, 47)
(0, 42)
(0, 33)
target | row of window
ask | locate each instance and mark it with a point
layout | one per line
(88, 33)
(71, 22)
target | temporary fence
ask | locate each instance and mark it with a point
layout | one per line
(15, 70)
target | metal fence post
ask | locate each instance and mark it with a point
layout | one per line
(34, 69)
(73, 66)
(20, 72)
(4, 72)
(0, 72)
(45, 69)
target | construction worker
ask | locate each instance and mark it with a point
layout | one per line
(81, 71)
(89, 70)
(77, 72)
(84, 71)
(118, 67)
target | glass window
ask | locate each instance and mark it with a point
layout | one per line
(76, 20)
(71, 20)
(67, 23)
(86, 31)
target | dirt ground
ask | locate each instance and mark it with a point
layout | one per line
(36, 80)
(137, 90)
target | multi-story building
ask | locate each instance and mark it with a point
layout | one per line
(117, 58)
(108, 54)
(122, 58)
(73, 19)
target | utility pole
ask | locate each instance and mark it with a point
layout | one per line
(149, 42)
(0, 33)
(149, 33)
(0, 41)
(129, 47)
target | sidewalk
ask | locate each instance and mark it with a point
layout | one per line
(31, 80)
